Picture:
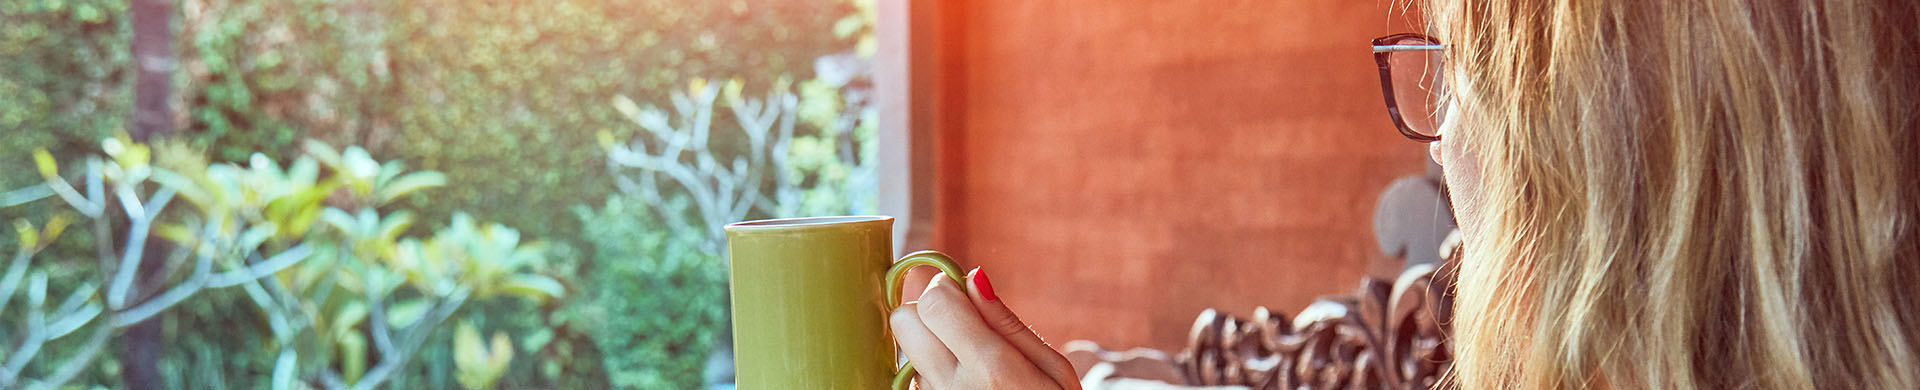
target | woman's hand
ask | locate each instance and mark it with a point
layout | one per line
(966, 341)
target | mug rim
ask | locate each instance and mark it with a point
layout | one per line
(802, 222)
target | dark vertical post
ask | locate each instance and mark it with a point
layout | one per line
(153, 64)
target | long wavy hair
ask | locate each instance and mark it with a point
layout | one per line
(1688, 194)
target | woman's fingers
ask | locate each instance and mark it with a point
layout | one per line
(950, 314)
(1002, 320)
(929, 356)
(961, 340)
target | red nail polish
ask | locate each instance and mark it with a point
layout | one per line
(981, 284)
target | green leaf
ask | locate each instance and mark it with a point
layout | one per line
(394, 224)
(184, 188)
(406, 312)
(480, 363)
(259, 162)
(353, 356)
(324, 153)
(340, 220)
(537, 340)
(409, 183)
(177, 233)
(295, 212)
(297, 225)
(48, 168)
(28, 237)
(467, 348)
(388, 171)
(304, 170)
(350, 316)
(539, 287)
(359, 164)
(366, 223)
(55, 226)
(381, 282)
(133, 157)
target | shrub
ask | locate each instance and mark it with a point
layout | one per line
(658, 305)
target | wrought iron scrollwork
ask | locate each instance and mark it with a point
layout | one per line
(1386, 336)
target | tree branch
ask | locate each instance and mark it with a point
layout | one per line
(121, 289)
(410, 342)
(36, 332)
(281, 261)
(24, 195)
(74, 365)
(67, 193)
(720, 193)
(377, 324)
(16, 270)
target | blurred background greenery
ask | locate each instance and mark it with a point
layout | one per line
(539, 139)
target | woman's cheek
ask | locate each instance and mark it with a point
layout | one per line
(1461, 170)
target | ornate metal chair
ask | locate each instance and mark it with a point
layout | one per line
(1386, 335)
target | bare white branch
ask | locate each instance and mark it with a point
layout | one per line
(73, 198)
(77, 363)
(16, 271)
(73, 321)
(258, 270)
(142, 221)
(36, 332)
(411, 339)
(24, 195)
(723, 185)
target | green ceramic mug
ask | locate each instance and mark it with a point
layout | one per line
(811, 298)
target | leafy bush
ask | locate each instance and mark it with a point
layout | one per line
(455, 87)
(507, 102)
(450, 86)
(345, 298)
(659, 248)
(64, 84)
(659, 303)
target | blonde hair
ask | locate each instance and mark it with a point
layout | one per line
(1688, 194)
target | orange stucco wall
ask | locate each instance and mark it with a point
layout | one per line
(1118, 166)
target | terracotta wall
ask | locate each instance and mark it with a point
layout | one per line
(1118, 166)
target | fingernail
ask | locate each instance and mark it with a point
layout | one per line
(981, 284)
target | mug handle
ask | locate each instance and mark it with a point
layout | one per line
(896, 280)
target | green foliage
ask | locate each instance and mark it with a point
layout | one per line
(56, 75)
(214, 248)
(480, 363)
(835, 164)
(499, 104)
(370, 298)
(659, 303)
(682, 190)
(64, 84)
(253, 75)
(458, 87)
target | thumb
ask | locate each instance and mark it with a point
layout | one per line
(1002, 320)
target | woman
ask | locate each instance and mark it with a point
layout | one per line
(1652, 194)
